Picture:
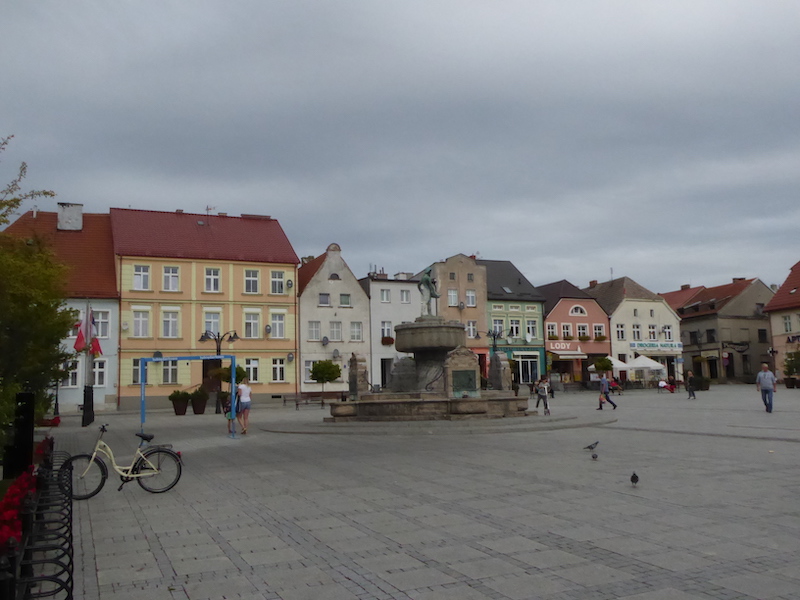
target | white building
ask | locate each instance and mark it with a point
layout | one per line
(391, 301)
(334, 321)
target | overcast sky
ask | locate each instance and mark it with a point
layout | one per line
(657, 139)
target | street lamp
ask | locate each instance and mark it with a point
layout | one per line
(495, 335)
(229, 336)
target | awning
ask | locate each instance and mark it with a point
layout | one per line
(568, 354)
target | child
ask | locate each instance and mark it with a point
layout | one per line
(543, 393)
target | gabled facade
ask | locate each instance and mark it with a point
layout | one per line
(180, 275)
(784, 319)
(391, 301)
(641, 323)
(724, 328)
(83, 243)
(576, 330)
(335, 318)
(461, 284)
(515, 313)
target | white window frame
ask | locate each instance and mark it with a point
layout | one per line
(324, 299)
(169, 372)
(472, 298)
(652, 332)
(514, 326)
(252, 324)
(141, 323)
(636, 332)
(99, 372)
(577, 311)
(251, 367)
(621, 332)
(472, 329)
(335, 328)
(278, 324)
(252, 280)
(356, 331)
(582, 329)
(566, 330)
(141, 277)
(212, 320)
(170, 319)
(307, 366)
(278, 370)
(599, 329)
(277, 285)
(405, 296)
(345, 300)
(452, 297)
(71, 377)
(552, 330)
(787, 323)
(213, 280)
(171, 280)
(101, 323)
(531, 327)
(498, 325)
(314, 331)
(668, 333)
(135, 375)
(386, 329)
(386, 295)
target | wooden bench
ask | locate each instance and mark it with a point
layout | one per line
(299, 399)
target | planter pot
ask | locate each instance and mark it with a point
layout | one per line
(198, 405)
(790, 382)
(180, 406)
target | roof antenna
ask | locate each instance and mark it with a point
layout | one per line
(209, 209)
(612, 273)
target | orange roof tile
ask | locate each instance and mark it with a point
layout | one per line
(681, 297)
(788, 295)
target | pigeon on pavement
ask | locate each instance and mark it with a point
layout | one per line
(594, 456)
(591, 446)
(634, 479)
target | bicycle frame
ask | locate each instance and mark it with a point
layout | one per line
(103, 448)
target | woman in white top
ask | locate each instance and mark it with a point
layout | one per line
(243, 415)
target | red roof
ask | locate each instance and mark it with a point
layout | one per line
(307, 271)
(88, 253)
(788, 295)
(680, 297)
(249, 238)
(709, 301)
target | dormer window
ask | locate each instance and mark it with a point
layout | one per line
(577, 311)
(334, 277)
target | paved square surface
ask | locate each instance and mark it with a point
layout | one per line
(516, 508)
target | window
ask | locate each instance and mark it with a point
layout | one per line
(356, 331)
(278, 369)
(711, 336)
(452, 276)
(514, 327)
(98, 373)
(668, 333)
(472, 298)
(762, 336)
(211, 322)
(101, 323)
(314, 330)
(693, 338)
(344, 300)
(71, 378)
(452, 297)
(622, 357)
(252, 325)
(276, 282)
(578, 311)
(324, 299)
(470, 277)
(652, 313)
(583, 330)
(141, 323)
(169, 324)
(652, 332)
(551, 330)
(386, 329)
(566, 330)
(599, 330)
(386, 296)
(747, 369)
(212, 279)
(637, 331)
(169, 372)
(307, 366)
(336, 331)
(137, 372)
(170, 279)
(620, 331)
(787, 323)
(251, 368)
(141, 277)
(635, 312)
(472, 329)
(405, 296)
(278, 325)
(498, 325)
(251, 281)
(531, 327)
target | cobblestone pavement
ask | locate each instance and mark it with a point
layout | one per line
(431, 511)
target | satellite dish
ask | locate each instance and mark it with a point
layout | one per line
(461, 306)
(509, 340)
(335, 353)
(290, 357)
(528, 338)
(325, 341)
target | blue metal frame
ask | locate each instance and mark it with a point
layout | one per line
(143, 367)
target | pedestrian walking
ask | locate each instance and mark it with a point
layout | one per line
(543, 393)
(765, 383)
(604, 397)
(690, 385)
(243, 415)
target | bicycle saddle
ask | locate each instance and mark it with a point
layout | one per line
(147, 437)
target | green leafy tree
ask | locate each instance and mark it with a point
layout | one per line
(224, 374)
(325, 371)
(11, 196)
(603, 365)
(791, 364)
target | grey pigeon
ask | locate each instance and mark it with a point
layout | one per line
(591, 446)
(594, 456)
(634, 479)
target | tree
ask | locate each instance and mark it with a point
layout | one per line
(603, 365)
(325, 371)
(11, 196)
(791, 364)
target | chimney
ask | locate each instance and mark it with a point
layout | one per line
(70, 217)
(223, 214)
(593, 283)
(179, 211)
(686, 286)
(738, 279)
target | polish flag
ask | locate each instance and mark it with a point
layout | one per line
(80, 342)
(86, 335)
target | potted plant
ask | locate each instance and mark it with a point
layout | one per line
(600, 338)
(387, 340)
(703, 383)
(325, 371)
(568, 337)
(583, 338)
(791, 367)
(552, 336)
(199, 399)
(180, 401)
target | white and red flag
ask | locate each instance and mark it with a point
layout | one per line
(87, 335)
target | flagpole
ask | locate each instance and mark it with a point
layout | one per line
(88, 389)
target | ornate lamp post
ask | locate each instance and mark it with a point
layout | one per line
(219, 338)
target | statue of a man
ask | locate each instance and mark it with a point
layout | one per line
(427, 287)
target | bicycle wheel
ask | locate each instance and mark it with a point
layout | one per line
(160, 469)
(88, 476)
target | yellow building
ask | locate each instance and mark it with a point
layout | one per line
(181, 276)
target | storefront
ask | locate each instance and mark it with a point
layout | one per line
(665, 353)
(564, 361)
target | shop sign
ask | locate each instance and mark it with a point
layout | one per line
(657, 346)
(710, 353)
(555, 346)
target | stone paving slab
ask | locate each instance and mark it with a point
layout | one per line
(426, 511)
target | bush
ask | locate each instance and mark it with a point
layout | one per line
(200, 393)
(180, 396)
